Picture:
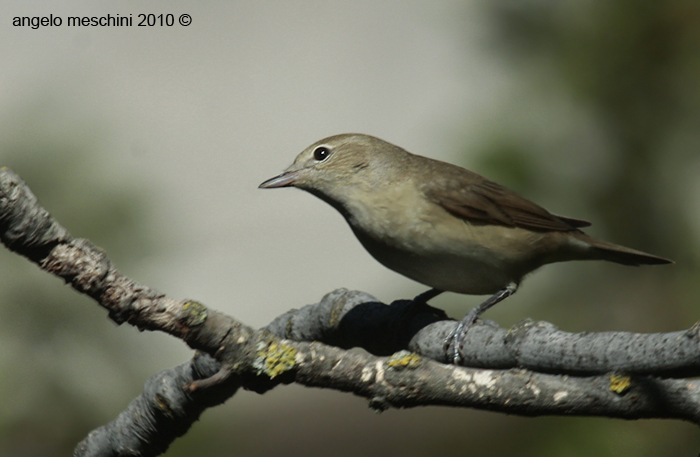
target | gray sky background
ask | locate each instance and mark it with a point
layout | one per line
(192, 119)
(204, 113)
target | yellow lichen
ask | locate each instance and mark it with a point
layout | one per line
(164, 406)
(336, 311)
(196, 312)
(277, 358)
(620, 383)
(403, 359)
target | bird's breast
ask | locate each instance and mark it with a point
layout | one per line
(415, 237)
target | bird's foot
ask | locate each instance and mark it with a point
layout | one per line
(456, 336)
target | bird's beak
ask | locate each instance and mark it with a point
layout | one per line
(286, 179)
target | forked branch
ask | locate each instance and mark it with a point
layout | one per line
(531, 369)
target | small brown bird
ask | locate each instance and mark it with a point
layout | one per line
(442, 225)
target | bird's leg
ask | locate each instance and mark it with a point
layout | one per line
(456, 336)
(415, 306)
(422, 299)
(421, 302)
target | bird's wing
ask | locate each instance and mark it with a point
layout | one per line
(474, 198)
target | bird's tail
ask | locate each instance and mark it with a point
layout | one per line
(620, 254)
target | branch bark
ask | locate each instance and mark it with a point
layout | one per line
(531, 369)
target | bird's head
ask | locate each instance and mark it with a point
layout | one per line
(344, 169)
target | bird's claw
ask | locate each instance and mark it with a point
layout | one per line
(456, 339)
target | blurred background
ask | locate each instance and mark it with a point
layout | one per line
(151, 141)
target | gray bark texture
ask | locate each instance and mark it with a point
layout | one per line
(530, 369)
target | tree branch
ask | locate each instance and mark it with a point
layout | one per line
(514, 371)
(355, 319)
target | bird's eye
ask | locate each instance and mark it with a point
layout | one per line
(321, 153)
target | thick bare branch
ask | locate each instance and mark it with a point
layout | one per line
(162, 413)
(260, 360)
(354, 319)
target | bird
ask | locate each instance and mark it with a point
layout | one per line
(442, 225)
